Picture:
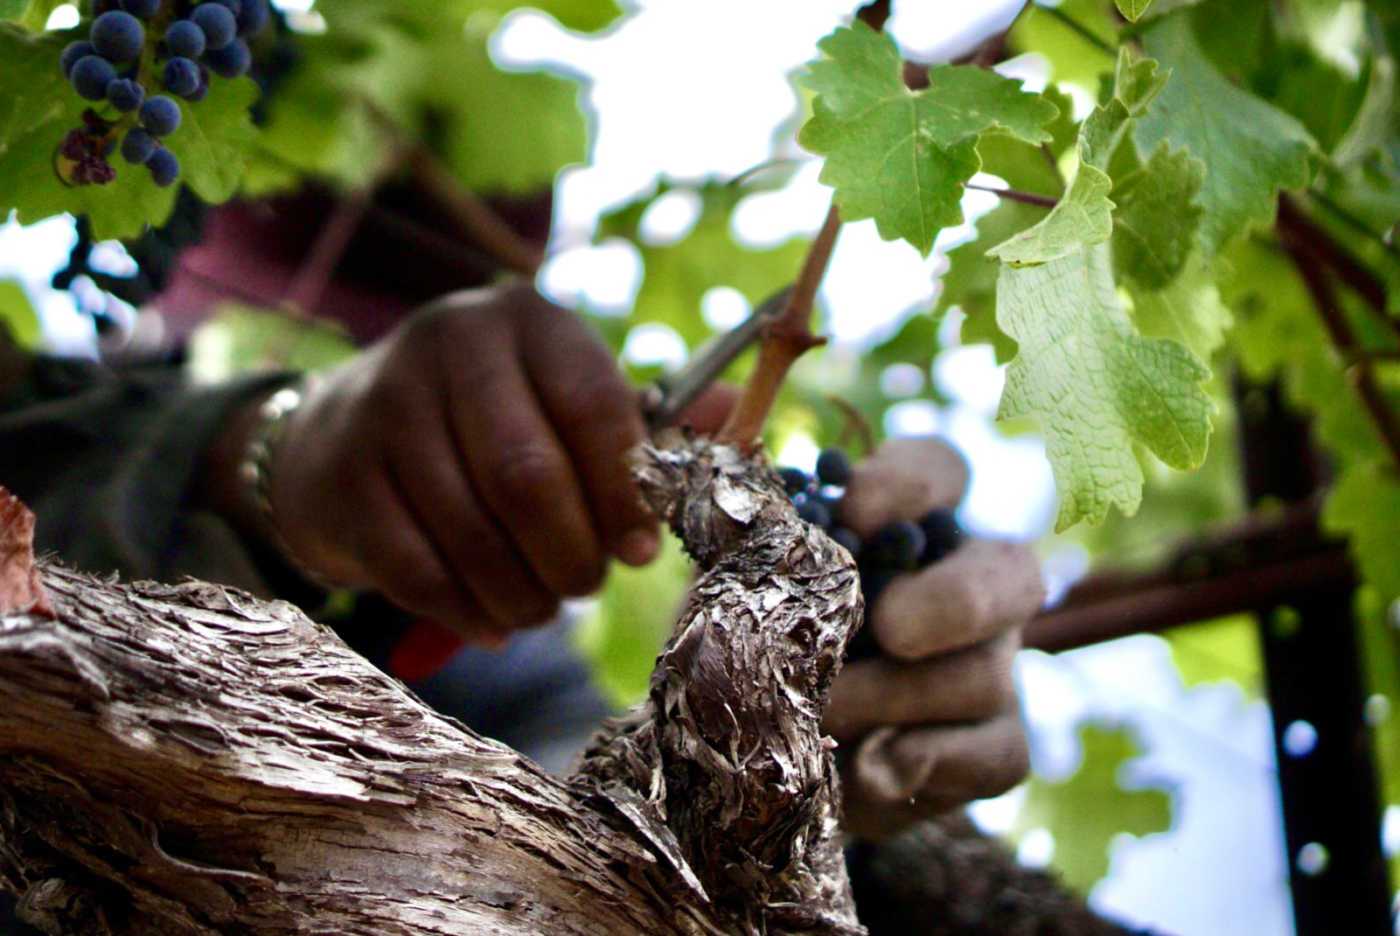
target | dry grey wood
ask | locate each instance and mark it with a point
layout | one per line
(186, 759)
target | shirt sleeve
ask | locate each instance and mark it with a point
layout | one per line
(107, 460)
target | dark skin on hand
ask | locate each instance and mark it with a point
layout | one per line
(472, 467)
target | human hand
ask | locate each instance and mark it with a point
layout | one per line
(934, 721)
(471, 466)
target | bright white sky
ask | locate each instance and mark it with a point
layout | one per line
(678, 92)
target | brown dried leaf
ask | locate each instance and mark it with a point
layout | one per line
(20, 588)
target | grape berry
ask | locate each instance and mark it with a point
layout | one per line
(894, 550)
(179, 44)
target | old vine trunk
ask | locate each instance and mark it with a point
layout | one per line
(190, 760)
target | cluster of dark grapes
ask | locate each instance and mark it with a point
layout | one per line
(197, 39)
(895, 549)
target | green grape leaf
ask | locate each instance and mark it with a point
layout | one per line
(677, 276)
(1364, 505)
(214, 138)
(238, 339)
(17, 316)
(1251, 149)
(1155, 225)
(631, 621)
(902, 157)
(1132, 10)
(1188, 309)
(1087, 811)
(427, 67)
(1219, 650)
(35, 90)
(1084, 217)
(1095, 385)
(971, 280)
(1072, 57)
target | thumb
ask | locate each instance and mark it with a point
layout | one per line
(707, 414)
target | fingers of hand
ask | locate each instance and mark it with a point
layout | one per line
(972, 684)
(515, 459)
(903, 480)
(432, 481)
(981, 591)
(708, 413)
(598, 418)
(896, 777)
(407, 568)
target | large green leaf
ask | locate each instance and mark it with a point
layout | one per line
(428, 68)
(1082, 218)
(1086, 812)
(31, 14)
(971, 280)
(17, 316)
(902, 157)
(1154, 228)
(1364, 504)
(1095, 385)
(1251, 149)
(1188, 309)
(1072, 57)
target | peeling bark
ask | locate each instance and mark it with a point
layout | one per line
(189, 760)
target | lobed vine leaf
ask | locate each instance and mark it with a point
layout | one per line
(1082, 218)
(1188, 310)
(902, 157)
(1154, 228)
(1364, 504)
(1095, 385)
(1251, 149)
(1087, 811)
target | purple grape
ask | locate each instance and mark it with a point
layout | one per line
(165, 168)
(231, 61)
(815, 512)
(895, 546)
(160, 115)
(220, 28)
(234, 6)
(253, 19)
(202, 91)
(91, 75)
(795, 480)
(142, 8)
(125, 94)
(833, 467)
(942, 535)
(181, 76)
(72, 53)
(118, 36)
(848, 538)
(138, 147)
(185, 39)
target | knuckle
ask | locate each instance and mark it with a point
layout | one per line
(1011, 765)
(526, 473)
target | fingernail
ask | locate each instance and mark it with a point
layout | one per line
(639, 547)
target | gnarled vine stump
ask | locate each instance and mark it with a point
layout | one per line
(190, 760)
